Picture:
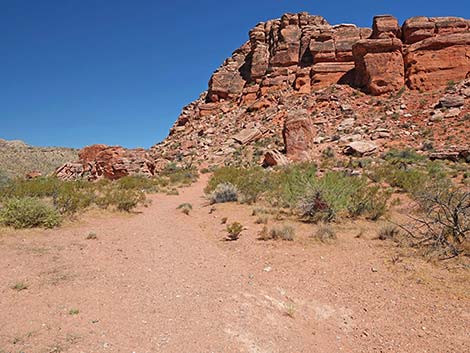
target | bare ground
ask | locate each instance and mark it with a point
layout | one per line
(162, 281)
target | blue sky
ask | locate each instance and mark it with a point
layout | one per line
(78, 72)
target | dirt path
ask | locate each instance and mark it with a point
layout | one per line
(162, 281)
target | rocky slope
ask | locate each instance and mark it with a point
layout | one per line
(300, 88)
(18, 159)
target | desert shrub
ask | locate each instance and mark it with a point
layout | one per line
(4, 180)
(412, 179)
(264, 234)
(443, 224)
(28, 212)
(250, 182)
(406, 155)
(185, 208)
(121, 199)
(287, 185)
(325, 233)
(328, 153)
(298, 187)
(38, 187)
(234, 230)
(370, 201)
(314, 207)
(282, 186)
(184, 175)
(71, 197)
(337, 195)
(262, 220)
(284, 232)
(224, 192)
(388, 232)
(140, 182)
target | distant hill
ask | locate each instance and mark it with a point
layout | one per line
(18, 158)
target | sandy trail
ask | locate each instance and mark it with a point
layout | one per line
(162, 281)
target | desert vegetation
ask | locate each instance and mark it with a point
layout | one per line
(47, 201)
(298, 188)
(438, 220)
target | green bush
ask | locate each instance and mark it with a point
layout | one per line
(281, 186)
(72, 197)
(250, 182)
(413, 179)
(180, 175)
(123, 200)
(338, 195)
(406, 155)
(28, 212)
(38, 187)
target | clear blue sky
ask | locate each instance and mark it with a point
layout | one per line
(77, 72)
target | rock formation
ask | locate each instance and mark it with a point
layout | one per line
(305, 52)
(300, 88)
(110, 162)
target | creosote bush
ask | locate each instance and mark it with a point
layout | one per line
(336, 195)
(28, 212)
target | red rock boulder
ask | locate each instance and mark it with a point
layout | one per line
(298, 134)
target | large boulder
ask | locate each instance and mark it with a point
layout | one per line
(298, 134)
(360, 148)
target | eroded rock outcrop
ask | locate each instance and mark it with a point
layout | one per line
(110, 162)
(305, 52)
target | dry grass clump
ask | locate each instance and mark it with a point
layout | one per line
(262, 220)
(389, 231)
(284, 232)
(325, 233)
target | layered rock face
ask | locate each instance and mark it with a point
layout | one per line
(305, 52)
(297, 50)
(438, 51)
(110, 162)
